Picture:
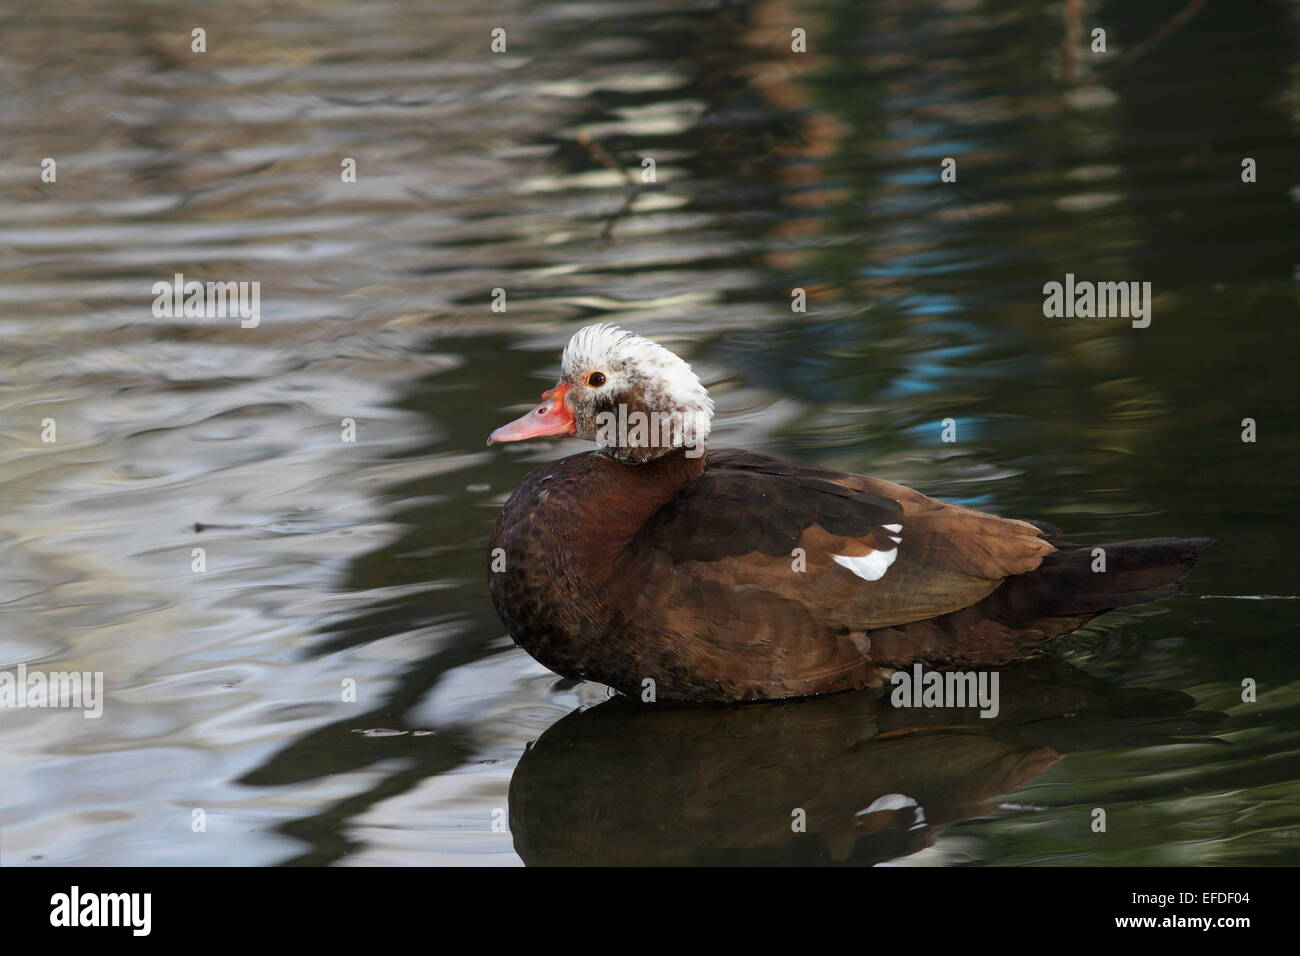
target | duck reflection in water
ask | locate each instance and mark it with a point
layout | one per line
(660, 784)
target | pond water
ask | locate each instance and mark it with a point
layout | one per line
(337, 569)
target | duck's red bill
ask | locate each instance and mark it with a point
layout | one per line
(551, 419)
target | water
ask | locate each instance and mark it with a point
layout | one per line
(334, 564)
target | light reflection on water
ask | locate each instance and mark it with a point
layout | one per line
(330, 561)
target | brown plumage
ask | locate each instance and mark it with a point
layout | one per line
(731, 575)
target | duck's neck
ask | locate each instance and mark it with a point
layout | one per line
(625, 499)
(649, 454)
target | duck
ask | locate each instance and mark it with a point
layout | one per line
(672, 571)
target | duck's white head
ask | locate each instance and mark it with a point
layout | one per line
(631, 396)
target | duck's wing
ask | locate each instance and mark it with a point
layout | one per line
(761, 535)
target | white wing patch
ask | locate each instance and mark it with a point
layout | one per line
(872, 567)
(869, 567)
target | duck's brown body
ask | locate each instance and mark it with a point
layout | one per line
(716, 578)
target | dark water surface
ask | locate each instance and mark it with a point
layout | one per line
(330, 562)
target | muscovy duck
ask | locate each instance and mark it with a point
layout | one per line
(728, 575)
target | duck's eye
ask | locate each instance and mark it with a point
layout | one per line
(596, 379)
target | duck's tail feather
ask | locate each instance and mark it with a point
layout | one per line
(1070, 587)
(1081, 579)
